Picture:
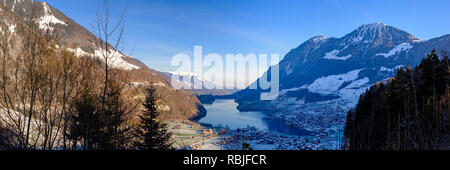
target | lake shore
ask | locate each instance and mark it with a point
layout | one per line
(263, 130)
(189, 136)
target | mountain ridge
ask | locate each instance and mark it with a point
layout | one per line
(324, 77)
(305, 64)
(80, 41)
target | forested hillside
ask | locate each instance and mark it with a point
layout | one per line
(62, 87)
(406, 112)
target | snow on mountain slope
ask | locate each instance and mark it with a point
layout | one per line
(404, 47)
(116, 58)
(48, 19)
(12, 28)
(322, 57)
(333, 55)
(322, 79)
(336, 85)
(188, 74)
(19, 15)
(377, 34)
(355, 89)
(391, 69)
(369, 33)
(331, 84)
(190, 80)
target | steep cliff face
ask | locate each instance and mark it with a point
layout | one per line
(18, 14)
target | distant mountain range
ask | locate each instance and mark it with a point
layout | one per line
(195, 80)
(14, 13)
(327, 68)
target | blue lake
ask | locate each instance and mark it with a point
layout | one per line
(224, 113)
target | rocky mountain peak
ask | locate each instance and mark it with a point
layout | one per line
(378, 34)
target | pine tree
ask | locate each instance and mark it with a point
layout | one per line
(113, 129)
(84, 123)
(94, 131)
(152, 134)
(408, 113)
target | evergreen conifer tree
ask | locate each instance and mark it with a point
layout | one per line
(151, 133)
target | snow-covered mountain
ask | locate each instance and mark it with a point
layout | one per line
(50, 19)
(194, 80)
(327, 68)
(188, 79)
(323, 78)
(41, 18)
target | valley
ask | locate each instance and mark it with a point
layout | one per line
(316, 130)
(64, 86)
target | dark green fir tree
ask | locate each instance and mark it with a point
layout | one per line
(151, 133)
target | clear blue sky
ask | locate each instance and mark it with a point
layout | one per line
(158, 29)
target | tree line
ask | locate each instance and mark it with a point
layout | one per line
(408, 112)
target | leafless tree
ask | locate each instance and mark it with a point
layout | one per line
(10, 118)
(35, 74)
(109, 39)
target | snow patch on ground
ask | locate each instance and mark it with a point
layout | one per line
(193, 80)
(48, 18)
(268, 96)
(330, 85)
(419, 41)
(357, 39)
(355, 89)
(319, 39)
(11, 118)
(333, 55)
(370, 31)
(391, 69)
(285, 91)
(12, 28)
(318, 42)
(159, 84)
(115, 60)
(79, 52)
(185, 78)
(396, 50)
(333, 85)
(146, 83)
(290, 70)
(186, 74)
(163, 108)
(386, 69)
